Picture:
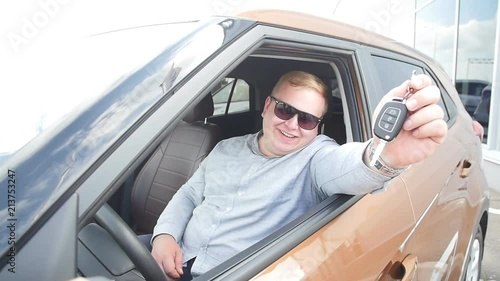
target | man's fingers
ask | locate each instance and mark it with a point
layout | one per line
(178, 262)
(423, 97)
(420, 81)
(423, 116)
(435, 130)
(170, 269)
(167, 261)
(165, 252)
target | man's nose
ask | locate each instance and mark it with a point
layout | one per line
(293, 123)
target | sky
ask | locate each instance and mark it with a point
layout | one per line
(36, 44)
(38, 36)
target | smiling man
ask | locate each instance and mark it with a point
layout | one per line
(286, 128)
(249, 186)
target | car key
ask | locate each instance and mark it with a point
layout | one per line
(390, 121)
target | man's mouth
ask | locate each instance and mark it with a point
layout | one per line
(287, 135)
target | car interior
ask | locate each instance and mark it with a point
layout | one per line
(143, 196)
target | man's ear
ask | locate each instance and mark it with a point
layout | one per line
(266, 106)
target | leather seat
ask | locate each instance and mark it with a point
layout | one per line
(172, 164)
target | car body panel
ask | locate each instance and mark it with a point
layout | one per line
(458, 201)
(358, 245)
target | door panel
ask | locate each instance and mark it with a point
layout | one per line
(439, 198)
(369, 237)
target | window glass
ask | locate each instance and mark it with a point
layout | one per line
(435, 32)
(393, 72)
(476, 47)
(240, 99)
(232, 92)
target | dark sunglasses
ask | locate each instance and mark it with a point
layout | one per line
(285, 111)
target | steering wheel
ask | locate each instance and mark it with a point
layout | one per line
(130, 243)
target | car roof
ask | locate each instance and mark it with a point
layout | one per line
(343, 31)
(332, 28)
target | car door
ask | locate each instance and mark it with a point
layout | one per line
(344, 238)
(370, 240)
(448, 221)
(437, 186)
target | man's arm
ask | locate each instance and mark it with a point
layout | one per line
(341, 169)
(173, 221)
(176, 215)
(346, 169)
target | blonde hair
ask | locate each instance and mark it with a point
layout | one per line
(303, 79)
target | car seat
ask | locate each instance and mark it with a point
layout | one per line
(172, 164)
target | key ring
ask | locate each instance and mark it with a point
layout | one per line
(410, 89)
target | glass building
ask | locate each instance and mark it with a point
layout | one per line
(462, 35)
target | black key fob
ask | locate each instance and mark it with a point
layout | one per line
(390, 119)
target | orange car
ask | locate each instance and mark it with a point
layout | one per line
(84, 189)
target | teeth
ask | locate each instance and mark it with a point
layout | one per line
(286, 135)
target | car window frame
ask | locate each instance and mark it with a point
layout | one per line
(372, 82)
(229, 101)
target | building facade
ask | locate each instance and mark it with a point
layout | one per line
(463, 36)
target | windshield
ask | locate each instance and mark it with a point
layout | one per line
(63, 78)
(90, 101)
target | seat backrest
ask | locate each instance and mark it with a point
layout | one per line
(172, 164)
(333, 124)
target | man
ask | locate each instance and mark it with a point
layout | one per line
(250, 186)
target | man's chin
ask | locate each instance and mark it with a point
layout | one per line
(286, 148)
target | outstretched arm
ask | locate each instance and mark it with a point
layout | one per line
(424, 129)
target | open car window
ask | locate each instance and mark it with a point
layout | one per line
(231, 96)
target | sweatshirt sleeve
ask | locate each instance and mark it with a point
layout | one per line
(340, 169)
(176, 215)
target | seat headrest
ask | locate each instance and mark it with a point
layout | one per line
(204, 109)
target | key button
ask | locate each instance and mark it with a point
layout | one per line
(393, 111)
(389, 118)
(387, 126)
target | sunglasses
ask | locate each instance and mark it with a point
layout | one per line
(285, 111)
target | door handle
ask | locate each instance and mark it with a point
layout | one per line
(465, 168)
(410, 268)
(405, 270)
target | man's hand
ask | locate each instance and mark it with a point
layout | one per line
(168, 255)
(424, 128)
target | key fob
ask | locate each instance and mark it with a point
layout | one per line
(390, 120)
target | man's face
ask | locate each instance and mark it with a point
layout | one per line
(282, 137)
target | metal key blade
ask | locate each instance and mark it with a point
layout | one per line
(378, 151)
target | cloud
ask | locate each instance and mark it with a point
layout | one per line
(476, 41)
